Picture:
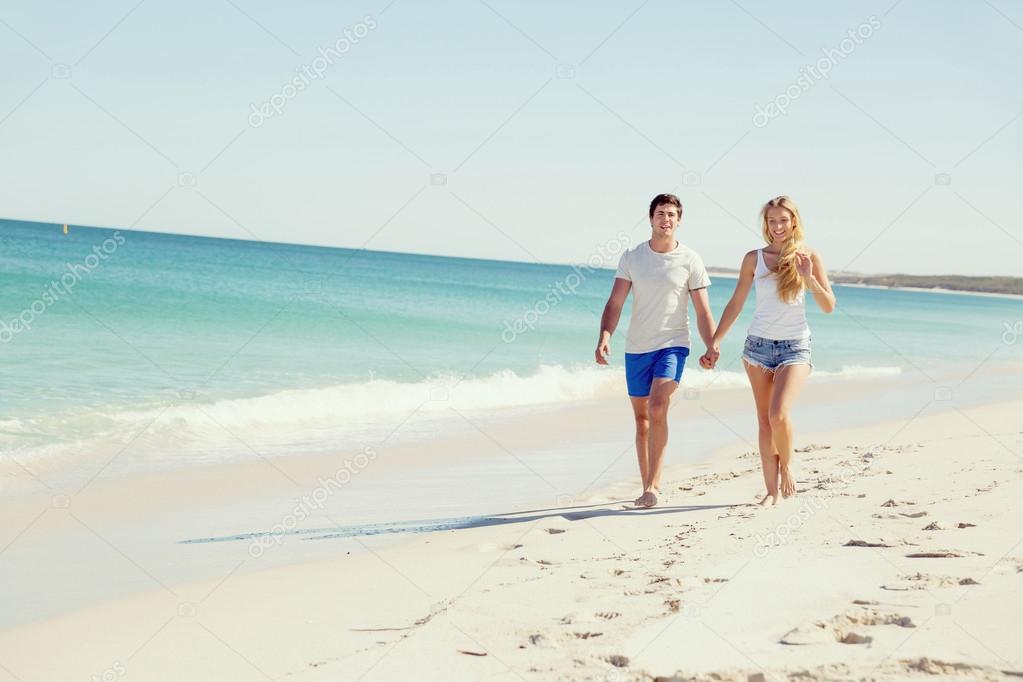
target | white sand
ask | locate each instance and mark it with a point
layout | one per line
(705, 585)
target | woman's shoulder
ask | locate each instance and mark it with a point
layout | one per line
(749, 261)
(751, 257)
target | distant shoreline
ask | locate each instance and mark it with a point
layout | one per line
(1007, 287)
(998, 286)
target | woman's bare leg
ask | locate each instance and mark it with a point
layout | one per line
(788, 380)
(762, 383)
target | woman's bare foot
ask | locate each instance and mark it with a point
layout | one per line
(773, 497)
(649, 498)
(788, 482)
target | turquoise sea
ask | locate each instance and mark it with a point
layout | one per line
(200, 349)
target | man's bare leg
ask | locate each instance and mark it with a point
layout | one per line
(762, 383)
(642, 415)
(787, 382)
(657, 406)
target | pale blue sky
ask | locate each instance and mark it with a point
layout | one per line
(553, 124)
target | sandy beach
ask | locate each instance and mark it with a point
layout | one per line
(900, 557)
(326, 328)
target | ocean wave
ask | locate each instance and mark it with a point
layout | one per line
(550, 384)
(334, 416)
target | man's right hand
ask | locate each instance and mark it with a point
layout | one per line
(710, 358)
(603, 351)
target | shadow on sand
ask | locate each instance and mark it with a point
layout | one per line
(574, 513)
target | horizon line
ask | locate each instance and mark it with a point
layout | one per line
(717, 269)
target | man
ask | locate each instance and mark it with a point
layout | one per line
(662, 275)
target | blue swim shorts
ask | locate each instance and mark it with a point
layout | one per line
(642, 368)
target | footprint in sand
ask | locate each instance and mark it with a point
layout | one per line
(812, 447)
(618, 661)
(893, 503)
(846, 628)
(541, 640)
(943, 554)
(867, 543)
(924, 581)
(587, 635)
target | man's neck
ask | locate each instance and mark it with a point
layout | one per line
(663, 244)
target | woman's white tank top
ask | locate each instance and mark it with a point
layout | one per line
(773, 317)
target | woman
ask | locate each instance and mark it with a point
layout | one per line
(777, 350)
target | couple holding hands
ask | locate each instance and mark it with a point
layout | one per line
(663, 275)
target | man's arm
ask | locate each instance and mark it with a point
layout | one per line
(609, 320)
(704, 316)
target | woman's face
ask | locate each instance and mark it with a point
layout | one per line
(779, 224)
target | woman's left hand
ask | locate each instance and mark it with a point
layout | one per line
(804, 264)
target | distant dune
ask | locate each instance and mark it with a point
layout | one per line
(988, 285)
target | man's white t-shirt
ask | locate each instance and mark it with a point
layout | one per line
(661, 283)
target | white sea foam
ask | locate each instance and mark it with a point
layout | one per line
(333, 416)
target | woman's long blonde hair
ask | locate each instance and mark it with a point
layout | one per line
(790, 282)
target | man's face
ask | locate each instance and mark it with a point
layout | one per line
(665, 220)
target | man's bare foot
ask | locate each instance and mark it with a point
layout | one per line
(788, 482)
(773, 497)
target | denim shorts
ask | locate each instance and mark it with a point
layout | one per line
(642, 368)
(770, 354)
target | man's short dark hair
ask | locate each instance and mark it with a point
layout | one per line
(665, 199)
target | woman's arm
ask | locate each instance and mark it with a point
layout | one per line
(738, 299)
(731, 312)
(811, 267)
